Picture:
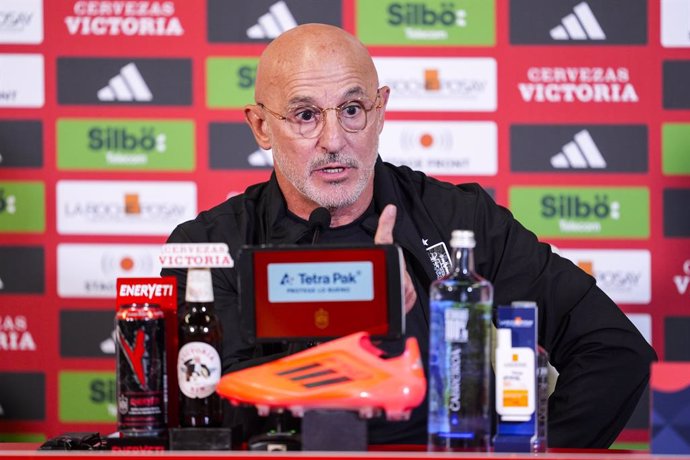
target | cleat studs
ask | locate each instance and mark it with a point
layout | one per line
(366, 412)
(262, 410)
(398, 415)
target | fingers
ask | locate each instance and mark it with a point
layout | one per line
(408, 290)
(384, 231)
(384, 235)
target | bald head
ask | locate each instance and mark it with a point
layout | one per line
(309, 46)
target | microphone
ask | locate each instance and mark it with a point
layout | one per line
(319, 219)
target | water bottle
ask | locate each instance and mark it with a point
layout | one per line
(460, 398)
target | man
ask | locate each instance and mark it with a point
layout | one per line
(320, 109)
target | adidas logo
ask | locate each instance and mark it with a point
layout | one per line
(260, 157)
(128, 85)
(278, 20)
(108, 345)
(580, 153)
(579, 25)
(314, 375)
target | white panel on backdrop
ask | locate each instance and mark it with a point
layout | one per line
(675, 23)
(624, 275)
(439, 84)
(21, 80)
(643, 323)
(442, 147)
(21, 21)
(91, 270)
(123, 207)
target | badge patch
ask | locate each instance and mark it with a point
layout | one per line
(440, 259)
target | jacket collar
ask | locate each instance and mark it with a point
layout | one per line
(411, 225)
(279, 227)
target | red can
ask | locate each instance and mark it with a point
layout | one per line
(141, 370)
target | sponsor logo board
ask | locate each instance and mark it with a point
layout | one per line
(675, 138)
(583, 212)
(21, 22)
(260, 21)
(21, 144)
(590, 22)
(22, 270)
(91, 270)
(579, 148)
(675, 23)
(16, 333)
(586, 84)
(123, 207)
(22, 80)
(122, 81)
(22, 437)
(643, 323)
(676, 216)
(22, 396)
(159, 145)
(676, 75)
(230, 82)
(105, 18)
(624, 275)
(439, 84)
(22, 207)
(681, 280)
(232, 146)
(676, 338)
(442, 148)
(87, 334)
(436, 22)
(86, 397)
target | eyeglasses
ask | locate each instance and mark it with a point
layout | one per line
(307, 120)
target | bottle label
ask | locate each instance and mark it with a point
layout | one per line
(456, 325)
(198, 369)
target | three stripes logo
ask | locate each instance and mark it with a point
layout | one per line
(278, 20)
(128, 85)
(580, 153)
(124, 81)
(581, 24)
(313, 375)
(264, 20)
(578, 22)
(579, 148)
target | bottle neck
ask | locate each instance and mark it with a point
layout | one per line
(199, 286)
(200, 307)
(463, 260)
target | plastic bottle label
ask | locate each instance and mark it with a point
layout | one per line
(198, 369)
(456, 325)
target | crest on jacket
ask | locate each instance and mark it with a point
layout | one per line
(440, 258)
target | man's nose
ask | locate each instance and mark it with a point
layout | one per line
(332, 137)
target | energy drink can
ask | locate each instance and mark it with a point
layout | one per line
(141, 370)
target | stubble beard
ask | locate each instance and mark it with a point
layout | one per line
(333, 195)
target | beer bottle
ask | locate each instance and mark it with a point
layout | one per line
(198, 360)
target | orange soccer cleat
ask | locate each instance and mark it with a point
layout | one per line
(345, 374)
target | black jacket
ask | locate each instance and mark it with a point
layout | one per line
(602, 360)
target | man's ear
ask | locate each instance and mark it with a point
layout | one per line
(258, 124)
(383, 102)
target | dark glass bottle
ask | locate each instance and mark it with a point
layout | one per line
(198, 360)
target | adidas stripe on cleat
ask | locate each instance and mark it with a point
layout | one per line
(344, 374)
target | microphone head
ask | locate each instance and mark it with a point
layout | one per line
(320, 218)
